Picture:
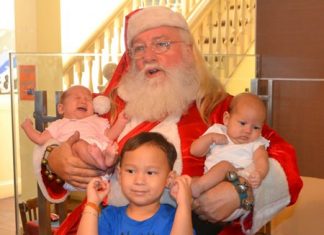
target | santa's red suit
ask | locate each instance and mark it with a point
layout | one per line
(181, 131)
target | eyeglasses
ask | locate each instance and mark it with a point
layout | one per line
(158, 46)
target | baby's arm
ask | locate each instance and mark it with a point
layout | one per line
(200, 146)
(181, 191)
(97, 190)
(261, 164)
(37, 137)
(114, 131)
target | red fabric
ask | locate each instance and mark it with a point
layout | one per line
(232, 229)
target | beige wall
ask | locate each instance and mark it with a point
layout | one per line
(6, 159)
(37, 25)
(37, 30)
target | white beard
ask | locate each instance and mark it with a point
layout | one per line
(153, 99)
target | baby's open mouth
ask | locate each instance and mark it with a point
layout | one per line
(83, 109)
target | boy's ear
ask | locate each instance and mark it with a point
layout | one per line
(118, 172)
(172, 175)
(226, 116)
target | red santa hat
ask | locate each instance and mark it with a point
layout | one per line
(152, 17)
(139, 21)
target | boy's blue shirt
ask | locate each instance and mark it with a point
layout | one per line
(114, 221)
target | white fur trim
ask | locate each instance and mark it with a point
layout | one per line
(271, 197)
(37, 159)
(152, 17)
(101, 104)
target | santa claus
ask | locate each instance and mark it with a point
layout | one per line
(163, 85)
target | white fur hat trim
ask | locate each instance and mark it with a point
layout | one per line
(152, 17)
(101, 104)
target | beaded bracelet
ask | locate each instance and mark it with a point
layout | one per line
(242, 188)
(93, 206)
(50, 175)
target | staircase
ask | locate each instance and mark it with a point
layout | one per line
(223, 30)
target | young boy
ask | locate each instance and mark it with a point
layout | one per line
(96, 146)
(235, 146)
(145, 169)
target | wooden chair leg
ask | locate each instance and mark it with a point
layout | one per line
(61, 210)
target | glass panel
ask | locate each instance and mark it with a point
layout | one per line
(56, 72)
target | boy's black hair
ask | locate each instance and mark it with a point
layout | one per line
(151, 138)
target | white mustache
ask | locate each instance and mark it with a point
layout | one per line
(152, 66)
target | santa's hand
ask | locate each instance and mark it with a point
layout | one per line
(70, 167)
(217, 203)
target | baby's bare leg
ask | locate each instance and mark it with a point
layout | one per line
(90, 153)
(214, 176)
(111, 154)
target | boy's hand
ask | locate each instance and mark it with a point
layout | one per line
(181, 190)
(97, 190)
